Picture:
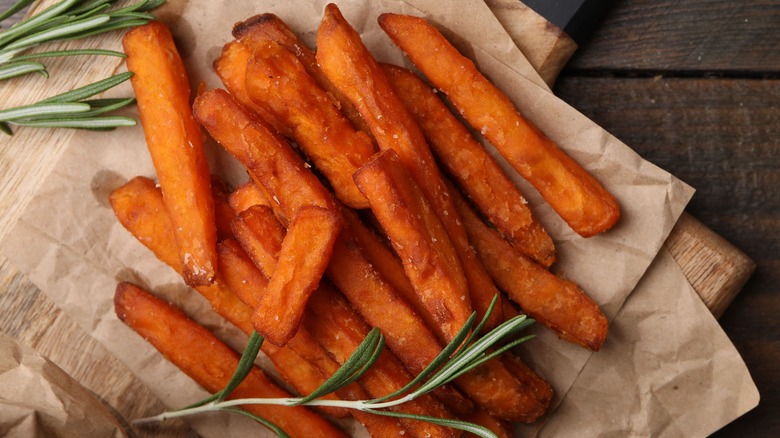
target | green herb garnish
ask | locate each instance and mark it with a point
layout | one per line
(467, 351)
(72, 109)
(62, 21)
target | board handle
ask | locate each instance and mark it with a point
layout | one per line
(716, 269)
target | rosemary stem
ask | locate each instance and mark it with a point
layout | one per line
(216, 406)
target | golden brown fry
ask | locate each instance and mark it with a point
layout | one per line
(557, 303)
(276, 80)
(246, 286)
(302, 260)
(268, 27)
(270, 160)
(349, 65)
(385, 262)
(249, 225)
(240, 274)
(378, 426)
(405, 333)
(247, 195)
(174, 141)
(476, 172)
(223, 213)
(139, 207)
(578, 198)
(231, 69)
(248, 283)
(527, 377)
(208, 361)
(340, 330)
(501, 428)
(419, 238)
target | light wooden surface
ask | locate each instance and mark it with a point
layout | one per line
(29, 316)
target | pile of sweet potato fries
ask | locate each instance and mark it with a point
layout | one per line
(380, 236)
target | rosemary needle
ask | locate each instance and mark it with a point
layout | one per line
(62, 21)
(72, 109)
(65, 20)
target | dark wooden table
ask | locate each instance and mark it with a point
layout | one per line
(694, 86)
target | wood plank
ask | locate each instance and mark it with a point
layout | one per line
(719, 135)
(685, 36)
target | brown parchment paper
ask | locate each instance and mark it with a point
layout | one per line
(38, 399)
(70, 245)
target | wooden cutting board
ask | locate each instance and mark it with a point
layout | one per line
(715, 268)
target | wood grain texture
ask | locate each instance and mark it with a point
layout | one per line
(721, 136)
(547, 48)
(739, 38)
(30, 154)
(31, 318)
(28, 315)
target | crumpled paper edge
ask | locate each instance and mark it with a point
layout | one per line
(39, 399)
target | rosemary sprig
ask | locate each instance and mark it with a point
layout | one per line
(64, 20)
(72, 109)
(465, 352)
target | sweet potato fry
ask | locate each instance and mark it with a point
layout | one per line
(572, 192)
(349, 65)
(527, 377)
(492, 386)
(419, 238)
(354, 265)
(252, 222)
(339, 329)
(381, 257)
(502, 428)
(379, 304)
(556, 303)
(208, 361)
(231, 69)
(385, 262)
(247, 289)
(174, 141)
(268, 27)
(377, 426)
(139, 207)
(276, 80)
(302, 260)
(476, 172)
(247, 195)
(241, 276)
(245, 280)
(223, 213)
(263, 153)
